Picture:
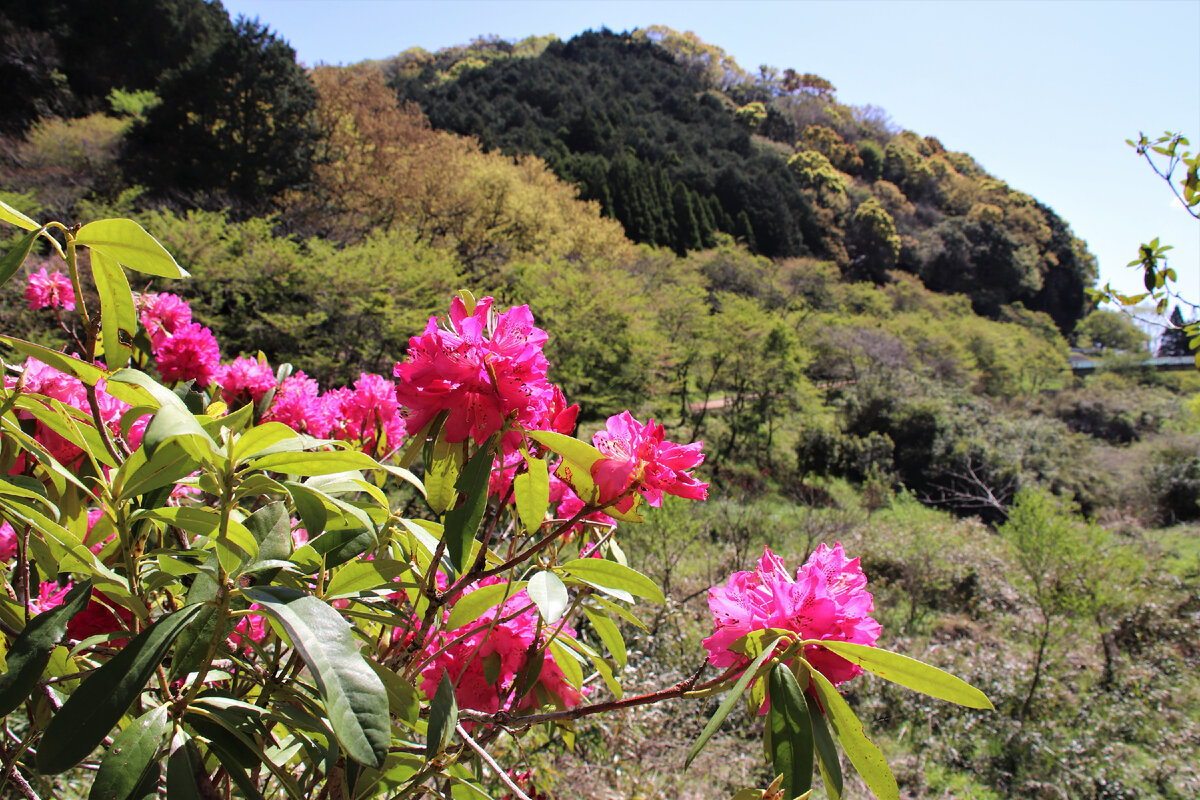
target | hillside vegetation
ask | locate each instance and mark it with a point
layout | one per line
(869, 333)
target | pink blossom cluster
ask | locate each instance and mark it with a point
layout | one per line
(637, 457)
(485, 657)
(50, 290)
(485, 369)
(42, 379)
(826, 600)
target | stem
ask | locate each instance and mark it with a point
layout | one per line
(501, 773)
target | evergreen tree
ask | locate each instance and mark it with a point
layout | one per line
(235, 122)
(1174, 340)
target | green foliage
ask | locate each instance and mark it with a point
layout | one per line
(235, 122)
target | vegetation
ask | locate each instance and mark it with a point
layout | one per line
(868, 332)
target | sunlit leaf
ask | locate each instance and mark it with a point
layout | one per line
(126, 242)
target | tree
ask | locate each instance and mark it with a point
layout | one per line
(1111, 330)
(235, 122)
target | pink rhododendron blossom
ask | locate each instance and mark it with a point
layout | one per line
(162, 314)
(486, 368)
(636, 456)
(368, 410)
(826, 600)
(498, 652)
(50, 595)
(50, 290)
(569, 505)
(251, 626)
(298, 404)
(244, 380)
(189, 353)
(8, 541)
(101, 616)
(42, 379)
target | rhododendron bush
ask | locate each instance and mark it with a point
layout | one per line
(221, 580)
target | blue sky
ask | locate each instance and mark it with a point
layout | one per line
(1042, 94)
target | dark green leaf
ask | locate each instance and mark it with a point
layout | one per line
(30, 652)
(827, 757)
(863, 754)
(105, 695)
(729, 702)
(462, 521)
(129, 759)
(355, 699)
(185, 772)
(193, 642)
(14, 258)
(443, 716)
(791, 732)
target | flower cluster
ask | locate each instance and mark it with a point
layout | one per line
(826, 600)
(484, 369)
(50, 290)
(485, 658)
(636, 455)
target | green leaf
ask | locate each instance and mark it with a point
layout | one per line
(909, 672)
(192, 645)
(790, 732)
(126, 242)
(570, 448)
(30, 651)
(863, 754)
(319, 463)
(462, 521)
(470, 607)
(361, 576)
(266, 436)
(605, 575)
(105, 695)
(88, 373)
(118, 315)
(185, 771)
(131, 756)
(355, 699)
(443, 463)
(549, 594)
(728, 703)
(610, 634)
(827, 757)
(531, 491)
(11, 215)
(403, 701)
(443, 717)
(14, 258)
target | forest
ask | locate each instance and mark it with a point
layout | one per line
(870, 334)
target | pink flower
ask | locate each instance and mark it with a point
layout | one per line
(8, 541)
(826, 600)
(636, 456)
(50, 290)
(369, 410)
(101, 616)
(298, 404)
(569, 505)
(485, 369)
(243, 381)
(162, 314)
(190, 352)
(44, 380)
(252, 626)
(485, 664)
(50, 595)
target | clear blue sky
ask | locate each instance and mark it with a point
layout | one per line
(1042, 94)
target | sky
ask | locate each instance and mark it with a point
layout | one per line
(1042, 94)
